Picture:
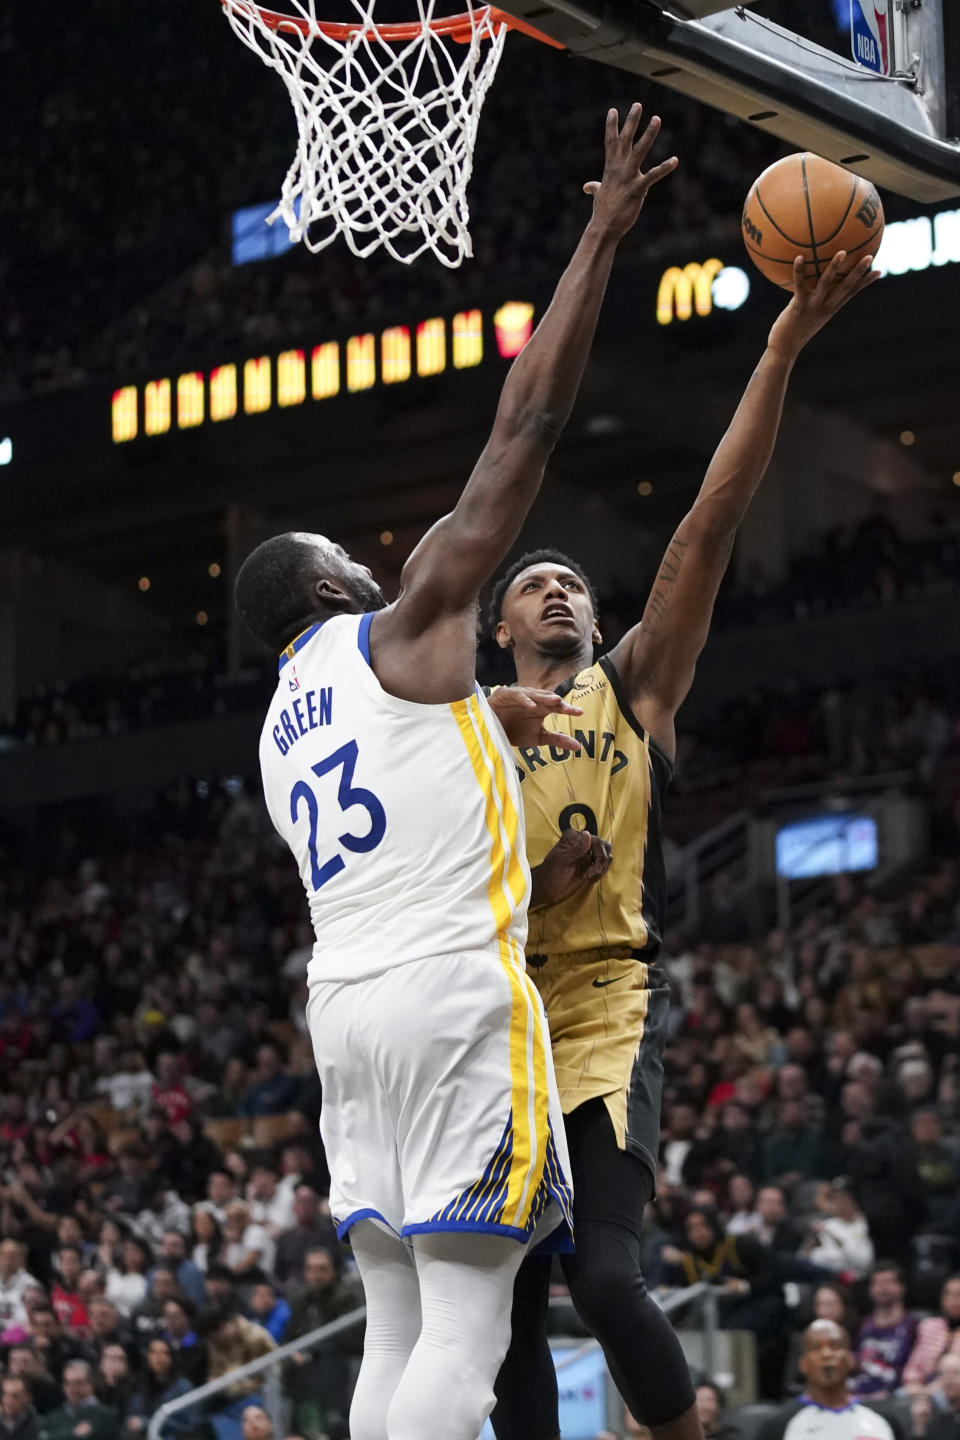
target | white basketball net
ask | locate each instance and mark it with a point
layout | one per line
(386, 128)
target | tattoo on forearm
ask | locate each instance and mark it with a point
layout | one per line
(669, 570)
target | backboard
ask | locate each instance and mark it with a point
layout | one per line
(871, 84)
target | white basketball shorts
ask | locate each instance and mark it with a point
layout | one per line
(440, 1108)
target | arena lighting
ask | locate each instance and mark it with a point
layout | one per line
(362, 362)
(6, 450)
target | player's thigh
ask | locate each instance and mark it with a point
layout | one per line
(610, 1186)
(466, 1289)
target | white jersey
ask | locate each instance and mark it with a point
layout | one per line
(405, 819)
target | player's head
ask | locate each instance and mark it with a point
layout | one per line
(544, 604)
(827, 1360)
(291, 581)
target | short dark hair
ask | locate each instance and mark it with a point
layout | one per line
(22, 1380)
(216, 1270)
(533, 557)
(718, 1394)
(272, 589)
(184, 1303)
(889, 1267)
(212, 1317)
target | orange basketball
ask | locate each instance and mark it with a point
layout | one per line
(804, 205)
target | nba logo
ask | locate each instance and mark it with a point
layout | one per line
(869, 35)
(293, 679)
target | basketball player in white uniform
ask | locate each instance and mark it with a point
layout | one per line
(394, 786)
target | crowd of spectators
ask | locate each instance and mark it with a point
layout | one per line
(162, 1184)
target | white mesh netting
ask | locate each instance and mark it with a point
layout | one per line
(386, 127)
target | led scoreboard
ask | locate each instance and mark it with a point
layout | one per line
(293, 377)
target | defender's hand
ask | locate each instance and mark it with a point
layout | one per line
(578, 858)
(618, 198)
(817, 301)
(522, 712)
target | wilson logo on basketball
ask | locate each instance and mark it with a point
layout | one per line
(869, 210)
(756, 235)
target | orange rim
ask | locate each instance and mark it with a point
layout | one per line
(458, 27)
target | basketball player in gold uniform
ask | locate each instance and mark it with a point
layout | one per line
(593, 955)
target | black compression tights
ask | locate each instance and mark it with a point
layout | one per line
(607, 1288)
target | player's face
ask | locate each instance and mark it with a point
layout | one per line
(548, 608)
(826, 1359)
(353, 583)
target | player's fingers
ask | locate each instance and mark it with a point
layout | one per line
(659, 172)
(834, 274)
(799, 275)
(576, 842)
(611, 131)
(558, 741)
(646, 142)
(632, 124)
(592, 188)
(549, 700)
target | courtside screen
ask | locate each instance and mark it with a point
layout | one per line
(826, 845)
(582, 1387)
(253, 239)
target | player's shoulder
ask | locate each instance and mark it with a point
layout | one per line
(590, 681)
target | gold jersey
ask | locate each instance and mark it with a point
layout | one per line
(615, 788)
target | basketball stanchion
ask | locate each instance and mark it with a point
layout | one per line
(387, 118)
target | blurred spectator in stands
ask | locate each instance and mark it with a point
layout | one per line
(18, 1416)
(208, 1237)
(221, 1189)
(886, 1337)
(106, 1252)
(317, 1380)
(272, 1091)
(232, 1341)
(247, 1248)
(741, 1205)
(179, 1318)
(841, 1231)
(711, 1405)
(936, 1415)
(49, 1341)
(752, 1039)
(824, 1410)
(222, 1286)
(189, 1277)
(127, 1283)
(885, 1183)
(794, 1150)
(776, 1228)
(304, 1164)
(257, 1424)
(937, 1336)
(312, 1230)
(731, 1146)
(114, 1380)
(723, 920)
(82, 1416)
(14, 1280)
(269, 1309)
(938, 1166)
(163, 1211)
(127, 1192)
(832, 1301)
(108, 1327)
(25, 1361)
(146, 1319)
(158, 1385)
(75, 1017)
(71, 1311)
(749, 1277)
(677, 1139)
(168, 1092)
(270, 1206)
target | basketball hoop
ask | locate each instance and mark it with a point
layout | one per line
(387, 119)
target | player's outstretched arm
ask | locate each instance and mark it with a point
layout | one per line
(445, 573)
(657, 658)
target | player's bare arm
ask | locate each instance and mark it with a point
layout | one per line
(657, 658)
(422, 646)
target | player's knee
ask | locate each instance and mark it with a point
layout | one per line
(604, 1293)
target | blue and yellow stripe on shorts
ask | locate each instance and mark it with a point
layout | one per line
(523, 1174)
